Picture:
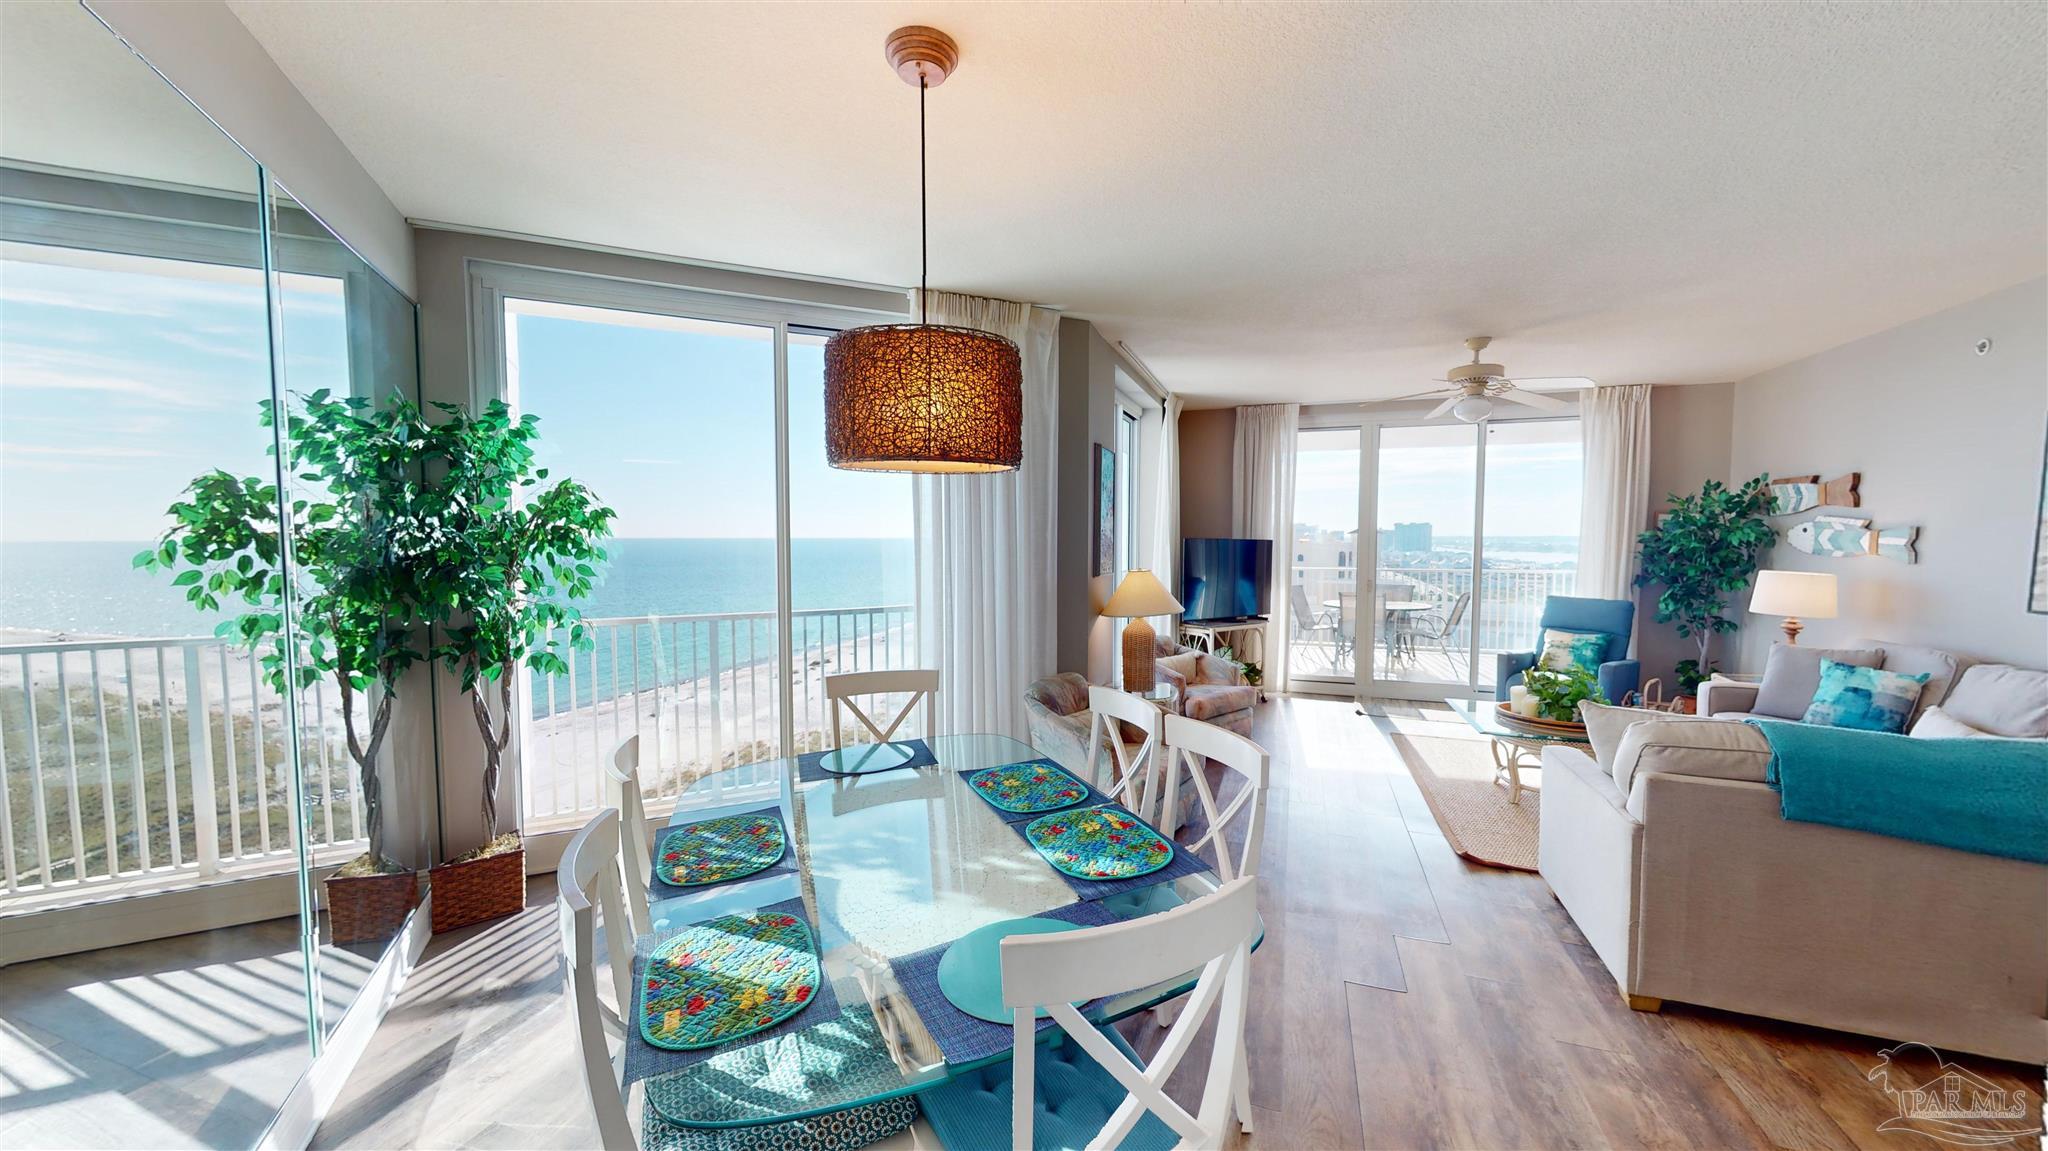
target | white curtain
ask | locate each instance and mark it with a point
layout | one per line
(1262, 507)
(1614, 428)
(1165, 553)
(985, 609)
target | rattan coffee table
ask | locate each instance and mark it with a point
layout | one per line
(1511, 744)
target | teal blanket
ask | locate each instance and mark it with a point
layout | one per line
(1989, 796)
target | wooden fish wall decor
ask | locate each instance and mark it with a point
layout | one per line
(1804, 493)
(1841, 536)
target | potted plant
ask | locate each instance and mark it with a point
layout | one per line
(512, 552)
(1705, 548)
(1558, 691)
(350, 574)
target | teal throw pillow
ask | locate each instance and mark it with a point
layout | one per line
(1864, 698)
(1568, 649)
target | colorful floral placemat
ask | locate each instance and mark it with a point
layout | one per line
(644, 1059)
(719, 849)
(727, 978)
(1100, 843)
(857, 759)
(659, 888)
(1027, 788)
(1178, 862)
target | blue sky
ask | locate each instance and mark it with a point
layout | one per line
(123, 377)
(672, 424)
(1427, 475)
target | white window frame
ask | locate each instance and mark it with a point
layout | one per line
(489, 283)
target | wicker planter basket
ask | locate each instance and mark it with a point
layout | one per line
(370, 908)
(473, 890)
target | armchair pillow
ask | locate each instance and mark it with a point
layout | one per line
(1865, 698)
(1564, 649)
(1180, 669)
(1792, 674)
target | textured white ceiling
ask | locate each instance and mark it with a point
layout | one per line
(1263, 200)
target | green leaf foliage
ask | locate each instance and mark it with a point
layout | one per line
(1559, 691)
(1704, 549)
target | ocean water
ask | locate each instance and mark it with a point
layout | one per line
(92, 589)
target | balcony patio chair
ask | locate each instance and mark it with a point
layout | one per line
(845, 688)
(1438, 627)
(1310, 621)
(589, 880)
(1058, 1094)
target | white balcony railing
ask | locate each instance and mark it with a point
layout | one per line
(109, 781)
(700, 691)
(1506, 608)
(108, 778)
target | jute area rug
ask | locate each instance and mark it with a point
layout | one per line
(1456, 778)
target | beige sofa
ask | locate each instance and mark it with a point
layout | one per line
(1676, 864)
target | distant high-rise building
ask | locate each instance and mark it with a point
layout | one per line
(1386, 540)
(1413, 537)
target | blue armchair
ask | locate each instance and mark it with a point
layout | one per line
(1619, 675)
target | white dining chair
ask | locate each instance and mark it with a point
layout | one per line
(1132, 778)
(1188, 743)
(588, 877)
(845, 688)
(636, 845)
(1102, 1074)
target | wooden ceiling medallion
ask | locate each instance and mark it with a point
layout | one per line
(918, 52)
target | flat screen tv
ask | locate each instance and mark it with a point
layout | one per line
(1225, 579)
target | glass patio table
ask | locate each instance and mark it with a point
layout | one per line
(887, 864)
(1511, 743)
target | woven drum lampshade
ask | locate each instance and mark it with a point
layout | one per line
(923, 398)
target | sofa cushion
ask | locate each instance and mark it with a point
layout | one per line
(1212, 701)
(1605, 725)
(1791, 674)
(1941, 667)
(1934, 723)
(1863, 698)
(1676, 746)
(2001, 699)
(1186, 665)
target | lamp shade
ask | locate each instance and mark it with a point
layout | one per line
(1141, 594)
(1808, 594)
(923, 398)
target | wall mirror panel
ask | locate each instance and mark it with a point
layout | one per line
(168, 811)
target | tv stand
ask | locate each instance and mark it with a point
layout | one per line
(1208, 635)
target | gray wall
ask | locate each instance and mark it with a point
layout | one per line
(1946, 439)
(1690, 439)
(1207, 441)
(210, 56)
(1087, 383)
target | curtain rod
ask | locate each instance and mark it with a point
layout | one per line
(1143, 371)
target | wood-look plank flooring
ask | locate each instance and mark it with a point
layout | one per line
(1403, 998)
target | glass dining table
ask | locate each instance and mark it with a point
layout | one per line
(887, 864)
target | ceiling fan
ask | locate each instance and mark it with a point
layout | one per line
(1475, 386)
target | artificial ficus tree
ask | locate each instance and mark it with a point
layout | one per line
(514, 551)
(1705, 548)
(353, 571)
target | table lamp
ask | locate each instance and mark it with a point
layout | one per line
(1141, 594)
(1794, 594)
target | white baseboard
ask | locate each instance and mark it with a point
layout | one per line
(314, 1094)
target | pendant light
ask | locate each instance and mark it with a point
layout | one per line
(923, 397)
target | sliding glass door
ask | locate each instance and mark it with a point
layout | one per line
(745, 569)
(1473, 527)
